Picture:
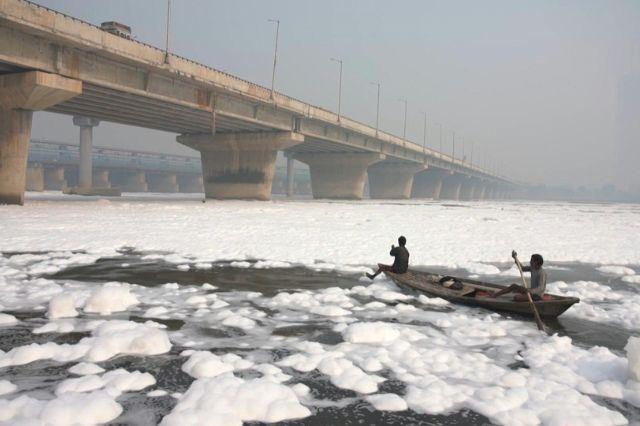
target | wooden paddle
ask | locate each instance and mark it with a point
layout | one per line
(536, 315)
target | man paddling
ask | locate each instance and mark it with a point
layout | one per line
(538, 280)
(401, 262)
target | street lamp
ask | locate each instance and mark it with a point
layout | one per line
(275, 54)
(166, 43)
(440, 126)
(404, 129)
(377, 107)
(424, 134)
(339, 85)
(453, 147)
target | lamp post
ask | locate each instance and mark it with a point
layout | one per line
(424, 134)
(166, 42)
(440, 126)
(404, 128)
(453, 147)
(339, 85)
(377, 108)
(275, 55)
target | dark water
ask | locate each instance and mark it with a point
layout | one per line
(40, 378)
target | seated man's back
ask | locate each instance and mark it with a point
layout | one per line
(401, 262)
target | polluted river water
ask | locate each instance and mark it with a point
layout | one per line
(123, 331)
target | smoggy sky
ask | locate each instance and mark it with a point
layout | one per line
(532, 83)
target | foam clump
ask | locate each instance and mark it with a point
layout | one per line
(6, 319)
(66, 410)
(111, 297)
(228, 400)
(126, 337)
(7, 387)
(85, 369)
(387, 402)
(203, 364)
(108, 339)
(615, 270)
(371, 332)
(633, 357)
(114, 382)
(62, 306)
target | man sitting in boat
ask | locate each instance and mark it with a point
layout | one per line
(538, 280)
(401, 262)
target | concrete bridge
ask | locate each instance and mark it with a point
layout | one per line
(55, 165)
(53, 62)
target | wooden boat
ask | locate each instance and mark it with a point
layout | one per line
(475, 293)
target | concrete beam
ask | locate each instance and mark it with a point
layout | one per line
(20, 94)
(339, 175)
(392, 180)
(428, 183)
(239, 165)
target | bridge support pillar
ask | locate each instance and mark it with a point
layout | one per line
(239, 165)
(162, 182)
(85, 167)
(428, 183)
(135, 181)
(20, 95)
(389, 180)
(54, 178)
(35, 178)
(451, 187)
(467, 189)
(481, 191)
(101, 179)
(338, 176)
(290, 177)
(190, 183)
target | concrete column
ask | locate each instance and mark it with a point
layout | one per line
(428, 183)
(85, 167)
(451, 187)
(467, 189)
(392, 180)
(290, 177)
(190, 183)
(133, 181)
(162, 182)
(20, 94)
(339, 175)
(54, 178)
(35, 178)
(239, 165)
(481, 191)
(101, 179)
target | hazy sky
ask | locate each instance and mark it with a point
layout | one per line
(531, 83)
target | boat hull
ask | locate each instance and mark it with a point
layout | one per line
(428, 283)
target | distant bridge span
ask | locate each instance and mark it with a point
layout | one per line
(54, 62)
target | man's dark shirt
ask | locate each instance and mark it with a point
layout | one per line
(401, 263)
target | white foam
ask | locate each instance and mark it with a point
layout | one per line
(634, 279)
(7, 387)
(205, 364)
(633, 357)
(387, 402)
(111, 297)
(616, 270)
(66, 410)
(229, 400)
(62, 305)
(86, 368)
(6, 319)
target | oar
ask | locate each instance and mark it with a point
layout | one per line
(536, 315)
